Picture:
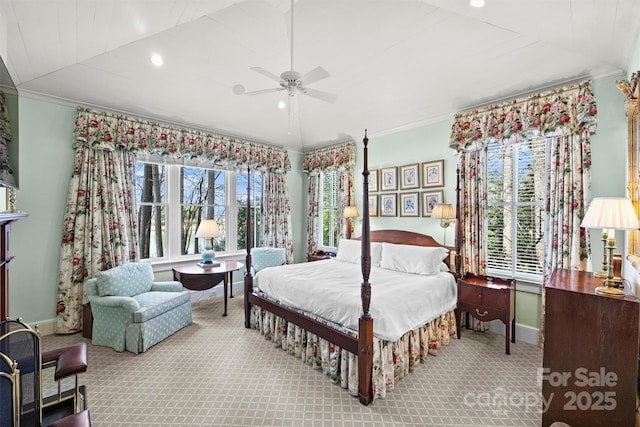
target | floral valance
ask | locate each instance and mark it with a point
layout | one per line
(568, 110)
(109, 131)
(335, 157)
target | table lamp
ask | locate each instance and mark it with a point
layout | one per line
(208, 230)
(610, 214)
(348, 213)
(444, 211)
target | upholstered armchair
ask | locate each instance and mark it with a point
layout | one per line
(131, 311)
(263, 257)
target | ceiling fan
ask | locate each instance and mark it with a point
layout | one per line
(292, 81)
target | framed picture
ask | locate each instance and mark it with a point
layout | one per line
(373, 181)
(388, 179)
(430, 199)
(388, 205)
(433, 174)
(409, 204)
(373, 205)
(409, 177)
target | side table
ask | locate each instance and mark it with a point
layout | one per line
(488, 298)
(197, 278)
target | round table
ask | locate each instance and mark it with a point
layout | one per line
(198, 278)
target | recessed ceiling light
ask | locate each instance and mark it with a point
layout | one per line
(476, 3)
(282, 105)
(156, 59)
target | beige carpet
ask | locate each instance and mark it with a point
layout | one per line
(217, 373)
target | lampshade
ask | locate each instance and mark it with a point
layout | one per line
(208, 229)
(610, 212)
(350, 212)
(443, 210)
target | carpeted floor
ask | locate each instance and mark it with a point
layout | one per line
(217, 373)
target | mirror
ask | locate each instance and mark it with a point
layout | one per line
(631, 91)
(8, 129)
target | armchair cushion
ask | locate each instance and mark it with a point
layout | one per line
(152, 304)
(125, 280)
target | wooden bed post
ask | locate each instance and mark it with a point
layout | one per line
(248, 277)
(365, 329)
(458, 257)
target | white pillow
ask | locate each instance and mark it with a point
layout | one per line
(422, 260)
(350, 250)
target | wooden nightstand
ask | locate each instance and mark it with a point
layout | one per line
(488, 298)
(320, 255)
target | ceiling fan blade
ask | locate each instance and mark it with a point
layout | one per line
(314, 75)
(266, 73)
(323, 96)
(263, 91)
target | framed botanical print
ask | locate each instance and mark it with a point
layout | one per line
(388, 205)
(373, 205)
(409, 204)
(433, 174)
(430, 199)
(373, 181)
(388, 179)
(409, 177)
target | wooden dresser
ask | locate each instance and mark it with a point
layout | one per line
(590, 361)
(5, 257)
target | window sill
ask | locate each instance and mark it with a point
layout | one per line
(530, 284)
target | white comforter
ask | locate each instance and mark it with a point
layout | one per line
(400, 302)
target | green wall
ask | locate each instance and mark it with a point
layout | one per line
(46, 159)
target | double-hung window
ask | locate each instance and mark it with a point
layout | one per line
(173, 199)
(515, 215)
(329, 210)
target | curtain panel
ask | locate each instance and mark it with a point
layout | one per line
(342, 158)
(100, 229)
(6, 173)
(276, 224)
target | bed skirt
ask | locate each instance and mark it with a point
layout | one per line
(391, 360)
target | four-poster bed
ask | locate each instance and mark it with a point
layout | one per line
(356, 345)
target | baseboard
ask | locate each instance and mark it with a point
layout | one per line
(524, 333)
(45, 327)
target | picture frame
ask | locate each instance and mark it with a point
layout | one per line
(430, 199)
(433, 174)
(388, 179)
(373, 181)
(373, 205)
(388, 205)
(409, 204)
(409, 176)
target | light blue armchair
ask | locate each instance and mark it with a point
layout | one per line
(131, 311)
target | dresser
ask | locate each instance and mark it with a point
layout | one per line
(5, 258)
(590, 359)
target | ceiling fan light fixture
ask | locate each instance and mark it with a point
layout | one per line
(282, 105)
(476, 3)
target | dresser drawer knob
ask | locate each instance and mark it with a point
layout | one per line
(481, 314)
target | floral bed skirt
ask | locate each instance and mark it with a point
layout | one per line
(391, 360)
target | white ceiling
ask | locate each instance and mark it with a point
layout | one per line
(394, 64)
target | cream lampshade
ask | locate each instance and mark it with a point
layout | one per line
(610, 213)
(208, 230)
(348, 213)
(446, 214)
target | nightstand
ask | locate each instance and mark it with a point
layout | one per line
(320, 255)
(488, 298)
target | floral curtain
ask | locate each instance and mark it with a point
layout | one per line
(6, 173)
(276, 222)
(567, 116)
(100, 220)
(99, 229)
(339, 157)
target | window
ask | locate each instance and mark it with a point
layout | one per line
(173, 199)
(329, 210)
(515, 214)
